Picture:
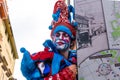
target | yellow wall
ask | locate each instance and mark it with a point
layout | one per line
(8, 52)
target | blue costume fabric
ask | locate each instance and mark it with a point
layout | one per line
(28, 67)
(31, 71)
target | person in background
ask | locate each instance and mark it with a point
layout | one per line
(58, 60)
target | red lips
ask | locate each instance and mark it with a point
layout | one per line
(60, 43)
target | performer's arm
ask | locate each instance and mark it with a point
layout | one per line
(44, 55)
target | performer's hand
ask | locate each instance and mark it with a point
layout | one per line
(73, 68)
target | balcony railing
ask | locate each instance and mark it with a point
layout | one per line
(4, 67)
(8, 73)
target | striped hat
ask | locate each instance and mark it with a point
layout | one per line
(62, 20)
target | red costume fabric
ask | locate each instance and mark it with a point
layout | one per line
(43, 55)
(63, 9)
(64, 74)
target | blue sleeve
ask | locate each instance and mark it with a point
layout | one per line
(28, 67)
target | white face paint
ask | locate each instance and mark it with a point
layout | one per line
(61, 40)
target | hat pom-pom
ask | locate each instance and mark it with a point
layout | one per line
(50, 27)
(55, 17)
(75, 24)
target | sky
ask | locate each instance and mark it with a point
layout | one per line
(29, 20)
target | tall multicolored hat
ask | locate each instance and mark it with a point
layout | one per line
(62, 19)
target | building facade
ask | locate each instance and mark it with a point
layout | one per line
(8, 51)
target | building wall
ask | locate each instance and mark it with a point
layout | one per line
(8, 52)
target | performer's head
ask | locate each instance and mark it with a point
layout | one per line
(63, 31)
(63, 35)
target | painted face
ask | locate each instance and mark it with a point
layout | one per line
(61, 40)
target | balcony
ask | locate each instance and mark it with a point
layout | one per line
(8, 73)
(4, 61)
(1, 38)
(4, 67)
(1, 60)
(12, 78)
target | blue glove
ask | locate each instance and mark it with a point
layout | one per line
(28, 67)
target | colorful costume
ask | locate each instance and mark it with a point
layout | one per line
(50, 63)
